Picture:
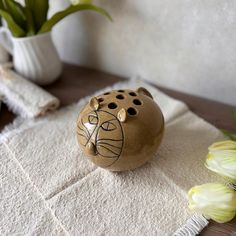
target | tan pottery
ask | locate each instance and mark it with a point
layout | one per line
(120, 129)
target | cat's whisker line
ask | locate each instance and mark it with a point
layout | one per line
(108, 149)
(78, 126)
(81, 135)
(109, 144)
(107, 139)
(109, 157)
(83, 132)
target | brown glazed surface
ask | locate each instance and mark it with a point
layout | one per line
(120, 129)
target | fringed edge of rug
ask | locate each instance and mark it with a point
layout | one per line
(193, 226)
(232, 185)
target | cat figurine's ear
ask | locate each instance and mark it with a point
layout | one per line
(144, 91)
(94, 103)
(122, 115)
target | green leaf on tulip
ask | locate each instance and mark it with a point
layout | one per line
(15, 29)
(234, 114)
(47, 26)
(229, 134)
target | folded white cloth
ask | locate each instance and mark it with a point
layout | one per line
(23, 97)
(87, 200)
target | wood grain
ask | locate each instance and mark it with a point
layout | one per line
(78, 82)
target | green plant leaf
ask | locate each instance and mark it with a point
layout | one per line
(234, 114)
(29, 4)
(85, 2)
(229, 134)
(39, 10)
(15, 29)
(16, 11)
(48, 25)
(30, 22)
(2, 7)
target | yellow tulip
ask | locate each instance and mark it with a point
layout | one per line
(222, 159)
(214, 201)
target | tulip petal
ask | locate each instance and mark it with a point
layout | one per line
(215, 201)
(222, 159)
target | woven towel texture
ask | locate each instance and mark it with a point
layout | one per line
(81, 199)
(24, 97)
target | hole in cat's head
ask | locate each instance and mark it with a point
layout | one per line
(137, 102)
(133, 94)
(132, 111)
(112, 105)
(101, 99)
(106, 93)
(120, 96)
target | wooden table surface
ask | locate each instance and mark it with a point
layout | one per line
(77, 82)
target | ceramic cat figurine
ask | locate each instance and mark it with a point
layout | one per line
(121, 129)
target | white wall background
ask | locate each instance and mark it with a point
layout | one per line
(187, 45)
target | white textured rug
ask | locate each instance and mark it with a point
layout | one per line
(48, 187)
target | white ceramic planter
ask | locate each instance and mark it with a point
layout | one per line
(35, 57)
(4, 56)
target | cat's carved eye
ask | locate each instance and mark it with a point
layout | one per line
(108, 126)
(93, 120)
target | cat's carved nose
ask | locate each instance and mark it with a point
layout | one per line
(90, 149)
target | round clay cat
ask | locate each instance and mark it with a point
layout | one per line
(121, 129)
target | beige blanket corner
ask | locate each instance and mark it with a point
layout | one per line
(54, 184)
